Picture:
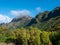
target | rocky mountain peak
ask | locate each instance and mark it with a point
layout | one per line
(20, 18)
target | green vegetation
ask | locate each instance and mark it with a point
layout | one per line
(33, 36)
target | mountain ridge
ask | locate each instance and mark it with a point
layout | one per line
(45, 21)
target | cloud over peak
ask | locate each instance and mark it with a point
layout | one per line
(20, 12)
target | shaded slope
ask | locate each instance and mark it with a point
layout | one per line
(47, 20)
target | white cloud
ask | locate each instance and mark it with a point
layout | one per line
(4, 19)
(20, 12)
(38, 9)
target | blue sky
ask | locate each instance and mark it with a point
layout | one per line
(12, 8)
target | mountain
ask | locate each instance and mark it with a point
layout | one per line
(47, 20)
(19, 22)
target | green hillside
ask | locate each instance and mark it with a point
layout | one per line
(46, 20)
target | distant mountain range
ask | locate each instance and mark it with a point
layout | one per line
(48, 20)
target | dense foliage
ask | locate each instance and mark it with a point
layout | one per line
(33, 36)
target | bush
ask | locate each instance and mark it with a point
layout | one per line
(33, 36)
